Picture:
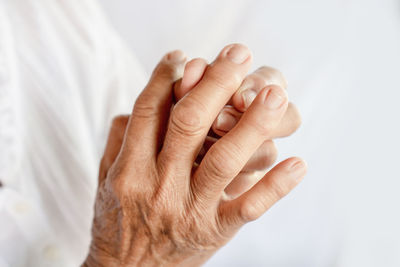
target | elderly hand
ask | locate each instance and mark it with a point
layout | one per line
(228, 117)
(154, 205)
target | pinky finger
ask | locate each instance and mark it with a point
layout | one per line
(276, 184)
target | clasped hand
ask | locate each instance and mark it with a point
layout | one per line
(172, 191)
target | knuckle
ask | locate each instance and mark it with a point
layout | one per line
(249, 212)
(223, 78)
(214, 168)
(118, 183)
(257, 79)
(263, 128)
(143, 108)
(186, 118)
(195, 63)
(222, 161)
(278, 190)
(119, 179)
(272, 75)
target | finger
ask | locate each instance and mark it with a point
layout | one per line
(253, 84)
(151, 110)
(229, 117)
(114, 142)
(252, 172)
(242, 182)
(194, 71)
(290, 123)
(208, 142)
(228, 155)
(263, 158)
(193, 115)
(226, 120)
(276, 184)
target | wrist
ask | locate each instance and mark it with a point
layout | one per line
(148, 257)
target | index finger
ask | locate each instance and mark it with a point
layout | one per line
(193, 115)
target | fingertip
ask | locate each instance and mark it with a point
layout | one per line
(170, 67)
(297, 167)
(272, 76)
(254, 83)
(226, 120)
(237, 53)
(175, 56)
(192, 74)
(297, 162)
(275, 96)
(265, 112)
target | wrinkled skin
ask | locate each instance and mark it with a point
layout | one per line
(155, 205)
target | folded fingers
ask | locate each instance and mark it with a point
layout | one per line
(253, 84)
(277, 183)
(230, 116)
(192, 116)
(150, 113)
(227, 157)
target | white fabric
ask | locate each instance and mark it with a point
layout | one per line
(64, 74)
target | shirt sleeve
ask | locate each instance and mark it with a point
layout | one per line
(82, 75)
(123, 77)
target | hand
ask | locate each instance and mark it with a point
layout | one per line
(253, 83)
(228, 117)
(153, 207)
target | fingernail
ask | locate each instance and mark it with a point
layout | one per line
(176, 56)
(248, 97)
(298, 167)
(238, 54)
(225, 122)
(274, 100)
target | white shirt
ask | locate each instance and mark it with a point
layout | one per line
(64, 73)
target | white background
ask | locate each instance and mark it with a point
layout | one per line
(342, 61)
